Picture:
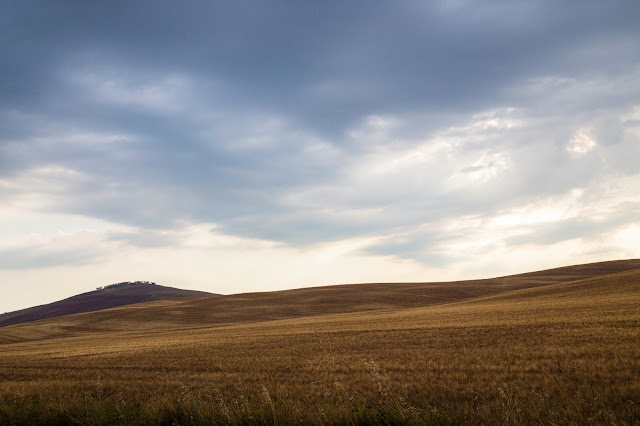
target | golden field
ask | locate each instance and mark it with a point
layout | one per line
(553, 347)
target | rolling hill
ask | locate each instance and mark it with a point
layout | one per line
(103, 298)
(251, 308)
(549, 347)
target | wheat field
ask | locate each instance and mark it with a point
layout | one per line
(551, 350)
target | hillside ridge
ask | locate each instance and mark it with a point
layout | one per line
(109, 296)
(245, 308)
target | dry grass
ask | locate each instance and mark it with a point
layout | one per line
(564, 353)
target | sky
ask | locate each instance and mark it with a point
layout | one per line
(252, 146)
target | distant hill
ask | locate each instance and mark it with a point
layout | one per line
(110, 296)
(247, 308)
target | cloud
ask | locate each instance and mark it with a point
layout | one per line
(45, 253)
(196, 256)
(411, 127)
(581, 142)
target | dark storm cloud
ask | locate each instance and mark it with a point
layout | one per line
(326, 64)
(219, 112)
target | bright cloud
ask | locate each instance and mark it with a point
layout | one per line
(581, 142)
